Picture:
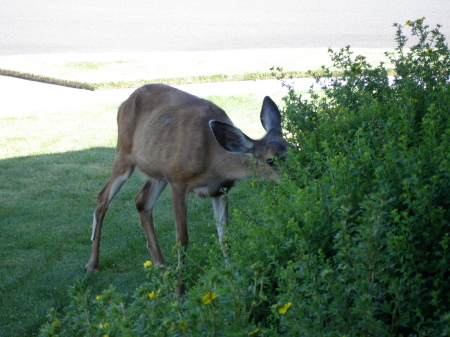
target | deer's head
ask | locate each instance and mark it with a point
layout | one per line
(266, 152)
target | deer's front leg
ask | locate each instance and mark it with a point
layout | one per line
(220, 206)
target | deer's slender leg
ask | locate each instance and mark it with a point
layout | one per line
(145, 201)
(179, 203)
(122, 170)
(220, 206)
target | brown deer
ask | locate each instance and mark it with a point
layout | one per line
(177, 138)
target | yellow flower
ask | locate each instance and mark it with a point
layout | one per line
(282, 310)
(183, 325)
(98, 297)
(208, 297)
(148, 264)
(254, 332)
(104, 326)
(152, 295)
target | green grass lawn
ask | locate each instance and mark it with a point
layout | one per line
(52, 165)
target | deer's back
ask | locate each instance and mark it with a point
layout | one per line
(166, 132)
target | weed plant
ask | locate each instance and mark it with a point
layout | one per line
(353, 242)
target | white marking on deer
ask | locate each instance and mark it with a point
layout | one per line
(117, 184)
(94, 226)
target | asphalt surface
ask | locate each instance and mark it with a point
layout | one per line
(29, 27)
(68, 26)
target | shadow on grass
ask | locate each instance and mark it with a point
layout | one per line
(46, 210)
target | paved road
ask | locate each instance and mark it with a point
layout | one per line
(66, 26)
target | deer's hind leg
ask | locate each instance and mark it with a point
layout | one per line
(145, 201)
(121, 171)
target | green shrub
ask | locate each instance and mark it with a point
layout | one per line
(370, 188)
(353, 242)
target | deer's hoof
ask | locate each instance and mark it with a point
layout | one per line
(91, 267)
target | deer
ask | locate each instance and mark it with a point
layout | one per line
(191, 144)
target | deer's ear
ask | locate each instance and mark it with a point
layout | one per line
(270, 115)
(231, 138)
